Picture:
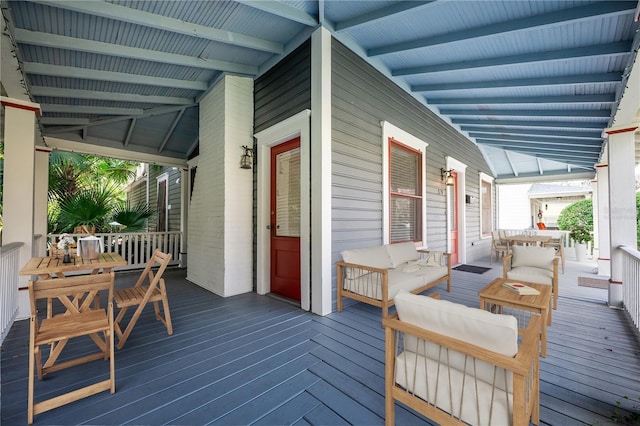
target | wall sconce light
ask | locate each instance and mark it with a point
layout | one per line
(245, 160)
(446, 177)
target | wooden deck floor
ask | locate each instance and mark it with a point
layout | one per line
(252, 359)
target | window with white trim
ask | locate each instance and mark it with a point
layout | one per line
(405, 193)
(404, 183)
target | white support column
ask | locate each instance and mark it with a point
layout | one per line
(19, 184)
(603, 236)
(321, 266)
(622, 201)
(41, 200)
(184, 214)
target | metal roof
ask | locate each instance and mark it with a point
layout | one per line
(533, 83)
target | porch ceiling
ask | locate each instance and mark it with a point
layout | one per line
(533, 83)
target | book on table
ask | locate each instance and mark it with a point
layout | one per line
(521, 289)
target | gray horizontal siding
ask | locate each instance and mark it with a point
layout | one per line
(361, 98)
(284, 90)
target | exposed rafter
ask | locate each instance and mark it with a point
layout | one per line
(522, 82)
(607, 50)
(379, 14)
(118, 77)
(283, 10)
(582, 134)
(549, 124)
(560, 99)
(71, 43)
(541, 140)
(544, 20)
(169, 132)
(560, 113)
(108, 96)
(140, 17)
(76, 109)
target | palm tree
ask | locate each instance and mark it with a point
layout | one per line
(88, 190)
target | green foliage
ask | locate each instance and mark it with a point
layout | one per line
(578, 218)
(133, 219)
(85, 190)
(637, 219)
(87, 207)
(580, 233)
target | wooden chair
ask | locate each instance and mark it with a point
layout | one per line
(558, 244)
(150, 287)
(458, 365)
(534, 265)
(77, 295)
(498, 246)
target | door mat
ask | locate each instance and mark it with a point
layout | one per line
(593, 282)
(472, 269)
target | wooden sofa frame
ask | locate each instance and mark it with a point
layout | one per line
(524, 367)
(383, 303)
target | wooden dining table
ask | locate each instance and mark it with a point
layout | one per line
(53, 266)
(528, 239)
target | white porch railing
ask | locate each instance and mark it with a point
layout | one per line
(9, 267)
(135, 247)
(631, 283)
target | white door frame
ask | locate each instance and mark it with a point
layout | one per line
(298, 125)
(460, 168)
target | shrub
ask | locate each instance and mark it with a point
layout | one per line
(578, 214)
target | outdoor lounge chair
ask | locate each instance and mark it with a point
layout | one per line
(460, 365)
(534, 265)
(150, 287)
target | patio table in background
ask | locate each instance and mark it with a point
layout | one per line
(529, 239)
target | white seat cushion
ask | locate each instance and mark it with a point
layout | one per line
(445, 387)
(531, 275)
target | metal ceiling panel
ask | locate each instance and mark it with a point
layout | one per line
(525, 79)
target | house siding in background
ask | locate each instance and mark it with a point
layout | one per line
(137, 194)
(361, 98)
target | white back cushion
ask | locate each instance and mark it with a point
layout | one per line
(401, 253)
(537, 257)
(497, 333)
(375, 257)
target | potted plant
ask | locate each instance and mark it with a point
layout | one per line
(581, 235)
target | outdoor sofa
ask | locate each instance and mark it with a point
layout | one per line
(374, 275)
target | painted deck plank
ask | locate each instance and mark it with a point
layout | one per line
(214, 408)
(222, 347)
(290, 412)
(255, 409)
(343, 404)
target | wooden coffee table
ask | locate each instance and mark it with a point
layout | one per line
(494, 297)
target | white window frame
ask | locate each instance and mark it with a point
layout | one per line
(483, 177)
(164, 177)
(390, 131)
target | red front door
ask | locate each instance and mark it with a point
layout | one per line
(285, 219)
(453, 218)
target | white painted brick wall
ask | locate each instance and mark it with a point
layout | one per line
(220, 213)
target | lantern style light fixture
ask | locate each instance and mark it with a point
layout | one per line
(446, 177)
(245, 160)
